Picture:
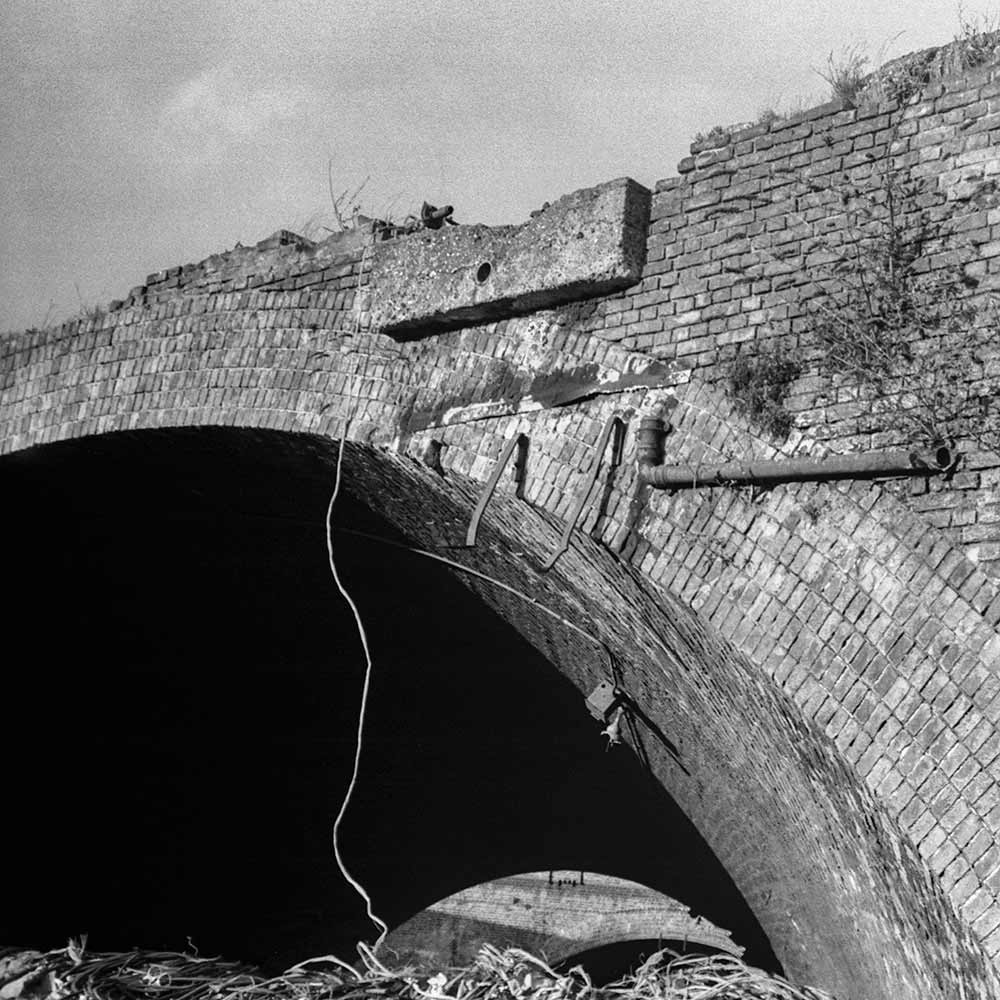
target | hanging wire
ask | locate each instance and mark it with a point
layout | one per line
(383, 928)
(359, 888)
(462, 568)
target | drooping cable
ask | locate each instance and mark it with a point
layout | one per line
(496, 583)
(359, 888)
(614, 671)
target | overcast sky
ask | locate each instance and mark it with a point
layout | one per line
(136, 136)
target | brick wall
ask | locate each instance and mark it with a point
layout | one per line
(823, 656)
(740, 245)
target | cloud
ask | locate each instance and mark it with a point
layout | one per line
(222, 104)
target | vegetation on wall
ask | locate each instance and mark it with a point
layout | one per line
(889, 307)
(759, 383)
(845, 73)
(885, 296)
(977, 38)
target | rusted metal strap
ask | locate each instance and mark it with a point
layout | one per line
(520, 443)
(584, 496)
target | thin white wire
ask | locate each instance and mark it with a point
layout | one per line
(360, 889)
(462, 568)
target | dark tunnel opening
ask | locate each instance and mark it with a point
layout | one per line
(608, 963)
(182, 682)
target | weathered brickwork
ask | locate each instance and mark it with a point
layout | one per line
(824, 657)
(284, 261)
(738, 246)
(808, 844)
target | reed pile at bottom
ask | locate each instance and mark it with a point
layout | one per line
(497, 974)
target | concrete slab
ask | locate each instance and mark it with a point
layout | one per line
(589, 243)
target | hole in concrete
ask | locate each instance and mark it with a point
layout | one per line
(483, 272)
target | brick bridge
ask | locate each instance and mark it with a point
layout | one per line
(556, 914)
(810, 667)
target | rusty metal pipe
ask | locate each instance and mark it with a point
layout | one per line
(868, 465)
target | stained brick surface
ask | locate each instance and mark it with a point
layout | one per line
(824, 656)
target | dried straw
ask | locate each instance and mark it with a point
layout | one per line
(509, 974)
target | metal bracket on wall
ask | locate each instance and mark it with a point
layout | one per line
(615, 424)
(520, 443)
(608, 697)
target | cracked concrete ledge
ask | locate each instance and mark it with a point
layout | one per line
(562, 388)
(589, 243)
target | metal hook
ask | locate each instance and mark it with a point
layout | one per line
(584, 496)
(520, 442)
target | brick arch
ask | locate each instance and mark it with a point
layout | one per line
(818, 858)
(843, 876)
(558, 915)
(882, 631)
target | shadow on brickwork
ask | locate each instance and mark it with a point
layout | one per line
(182, 712)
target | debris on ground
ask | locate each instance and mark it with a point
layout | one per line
(496, 974)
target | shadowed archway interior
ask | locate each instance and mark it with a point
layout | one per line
(182, 711)
(609, 962)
